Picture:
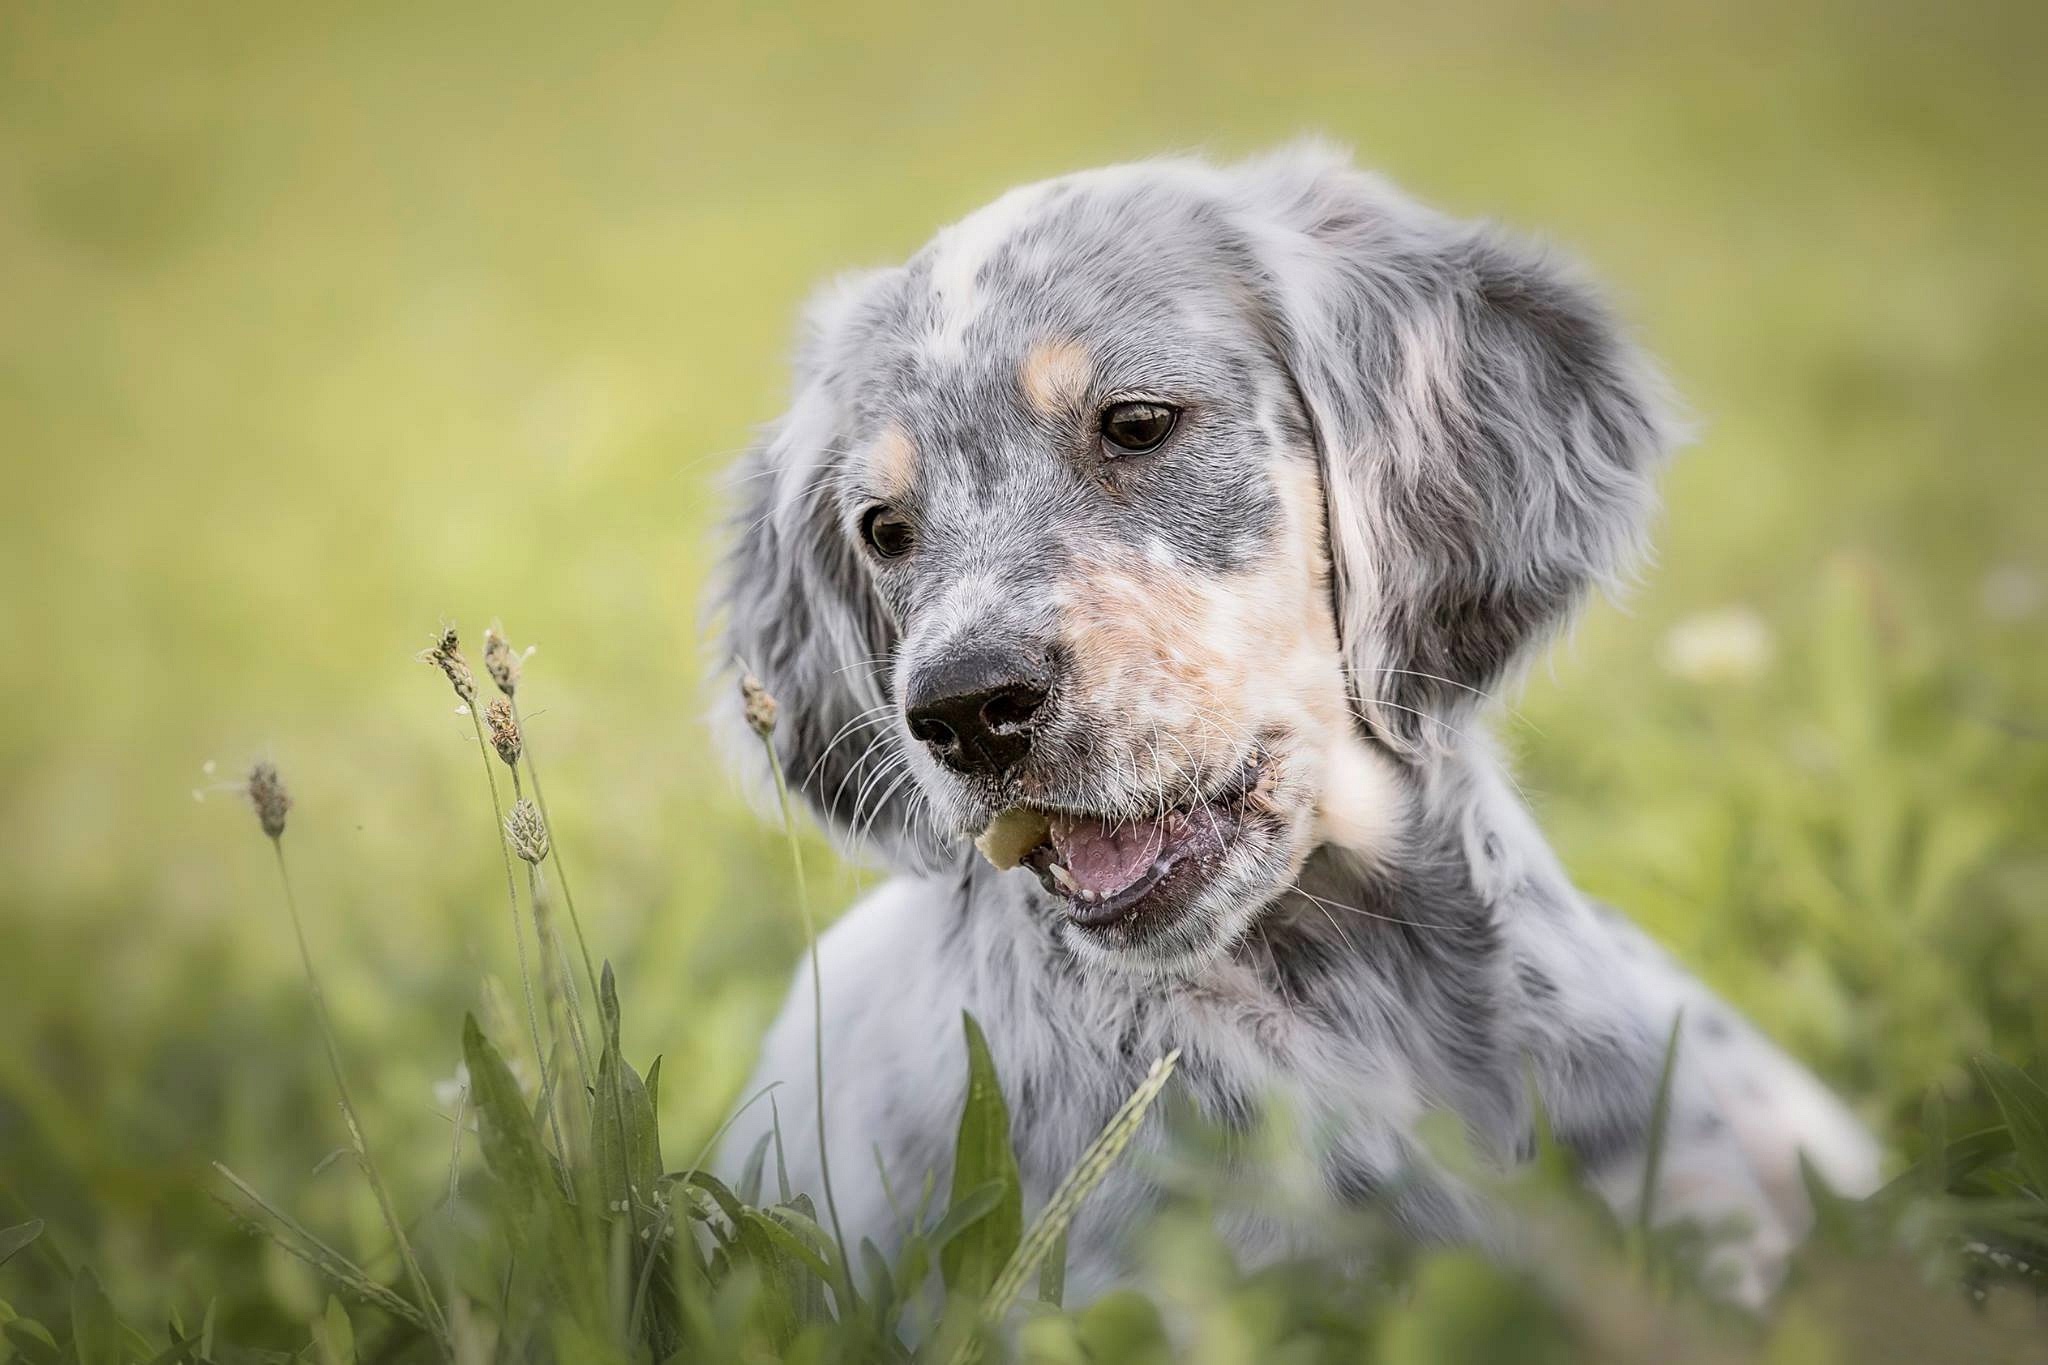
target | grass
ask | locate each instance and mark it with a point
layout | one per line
(566, 1235)
(317, 323)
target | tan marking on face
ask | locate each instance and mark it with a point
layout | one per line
(893, 459)
(1193, 668)
(1055, 375)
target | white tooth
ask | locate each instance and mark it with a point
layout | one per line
(1088, 896)
(1063, 877)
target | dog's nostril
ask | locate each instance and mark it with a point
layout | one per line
(933, 731)
(1013, 707)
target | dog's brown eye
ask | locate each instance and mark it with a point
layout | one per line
(1135, 428)
(887, 532)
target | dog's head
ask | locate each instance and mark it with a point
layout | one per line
(1154, 515)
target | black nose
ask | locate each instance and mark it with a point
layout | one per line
(976, 710)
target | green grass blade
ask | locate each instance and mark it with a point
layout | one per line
(1051, 1226)
(31, 1342)
(2025, 1107)
(13, 1240)
(1660, 1120)
(316, 1253)
(333, 1336)
(982, 1155)
(97, 1336)
(965, 1212)
(510, 1142)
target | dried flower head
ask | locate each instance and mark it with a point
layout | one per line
(504, 730)
(760, 705)
(499, 660)
(526, 831)
(267, 794)
(446, 655)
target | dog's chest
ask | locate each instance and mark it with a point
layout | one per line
(1300, 1099)
(1251, 1049)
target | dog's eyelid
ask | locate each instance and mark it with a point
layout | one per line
(1110, 398)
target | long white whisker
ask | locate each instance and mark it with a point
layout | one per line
(881, 803)
(872, 716)
(1369, 914)
(1436, 720)
(859, 763)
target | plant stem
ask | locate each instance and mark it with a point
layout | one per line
(540, 1053)
(803, 901)
(428, 1302)
(455, 1153)
(554, 961)
(561, 871)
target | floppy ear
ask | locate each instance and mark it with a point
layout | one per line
(1487, 436)
(800, 612)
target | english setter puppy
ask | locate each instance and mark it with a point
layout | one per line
(1167, 528)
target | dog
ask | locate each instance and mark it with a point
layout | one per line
(1169, 528)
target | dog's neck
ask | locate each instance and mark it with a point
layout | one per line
(1423, 905)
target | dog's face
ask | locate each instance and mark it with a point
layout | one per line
(1147, 520)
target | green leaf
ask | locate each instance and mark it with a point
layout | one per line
(1933, 1165)
(794, 1249)
(180, 1350)
(608, 1005)
(982, 1154)
(881, 1286)
(14, 1239)
(750, 1171)
(628, 1152)
(97, 1336)
(721, 1195)
(624, 1132)
(1962, 1158)
(1124, 1326)
(2025, 1107)
(31, 1341)
(334, 1336)
(964, 1212)
(511, 1143)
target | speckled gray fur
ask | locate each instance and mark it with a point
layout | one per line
(1484, 439)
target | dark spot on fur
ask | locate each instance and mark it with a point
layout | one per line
(1536, 983)
(1353, 1183)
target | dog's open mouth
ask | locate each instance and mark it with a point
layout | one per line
(1108, 870)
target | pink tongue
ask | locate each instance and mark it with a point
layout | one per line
(1103, 858)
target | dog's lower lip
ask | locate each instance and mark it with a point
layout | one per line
(1092, 911)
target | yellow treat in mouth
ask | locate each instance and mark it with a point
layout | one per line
(1013, 834)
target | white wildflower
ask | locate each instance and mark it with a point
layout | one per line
(2011, 593)
(1732, 644)
(450, 1091)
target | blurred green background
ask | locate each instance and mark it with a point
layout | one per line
(319, 324)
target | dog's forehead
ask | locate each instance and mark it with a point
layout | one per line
(1088, 279)
(1101, 254)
